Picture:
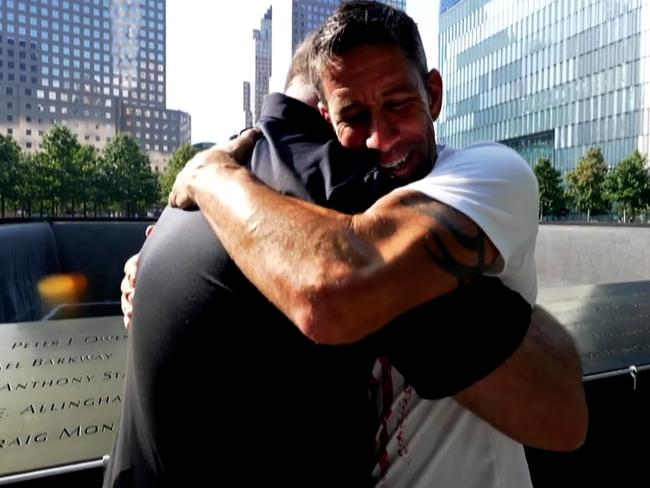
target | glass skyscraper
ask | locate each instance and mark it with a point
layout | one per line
(96, 66)
(305, 17)
(550, 78)
(308, 15)
(263, 39)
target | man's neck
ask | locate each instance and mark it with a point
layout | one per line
(303, 92)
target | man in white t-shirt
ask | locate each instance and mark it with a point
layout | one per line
(340, 278)
(495, 188)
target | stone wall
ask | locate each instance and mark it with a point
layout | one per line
(569, 255)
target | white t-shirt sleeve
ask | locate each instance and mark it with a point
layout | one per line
(495, 187)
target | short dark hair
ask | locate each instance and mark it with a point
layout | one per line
(359, 23)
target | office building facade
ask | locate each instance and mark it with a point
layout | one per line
(308, 15)
(248, 115)
(550, 78)
(96, 66)
(273, 52)
(263, 38)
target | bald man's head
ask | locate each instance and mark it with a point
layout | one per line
(298, 84)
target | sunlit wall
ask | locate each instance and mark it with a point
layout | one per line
(549, 77)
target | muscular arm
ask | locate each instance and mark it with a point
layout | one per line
(337, 277)
(340, 277)
(536, 395)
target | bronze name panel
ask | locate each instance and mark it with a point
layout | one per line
(61, 381)
(611, 323)
(60, 391)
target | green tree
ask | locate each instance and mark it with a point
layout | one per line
(37, 178)
(9, 163)
(586, 183)
(127, 174)
(628, 184)
(551, 193)
(181, 156)
(30, 186)
(61, 166)
(86, 162)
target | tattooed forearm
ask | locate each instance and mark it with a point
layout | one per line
(471, 240)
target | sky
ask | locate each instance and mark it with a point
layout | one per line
(210, 52)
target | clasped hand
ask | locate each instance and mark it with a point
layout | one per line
(209, 163)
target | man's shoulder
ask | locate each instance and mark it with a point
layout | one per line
(486, 179)
(481, 163)
(489, 159)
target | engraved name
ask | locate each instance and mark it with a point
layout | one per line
(24, 440)
(43, 384)
(35, 409)
(82, 430)
(66, 433)
(42, 344)
(59, 361)
(10, 365)
(107, 338)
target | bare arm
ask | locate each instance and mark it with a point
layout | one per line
(337, 277)
(340, 277)
(536, 396)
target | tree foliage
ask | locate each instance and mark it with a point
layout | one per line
(128, 175)
(9, 171)
(65, 177)
(551, 191)
(628, 185)
(586, 183)
(177, 162)
(61, 165)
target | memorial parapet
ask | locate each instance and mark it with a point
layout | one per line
(61, 382)
(610, 323)
(60, 391)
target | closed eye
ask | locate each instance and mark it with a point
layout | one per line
(355, 118)
(396, 105)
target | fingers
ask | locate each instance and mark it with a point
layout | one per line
(127, 309)
(180, 196)
(241, 147)
(131, 268)
(127, 287)
(127, 301)
(148, 231)
(233, 153)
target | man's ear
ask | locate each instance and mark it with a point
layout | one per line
(322, 108)
(434, 92)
